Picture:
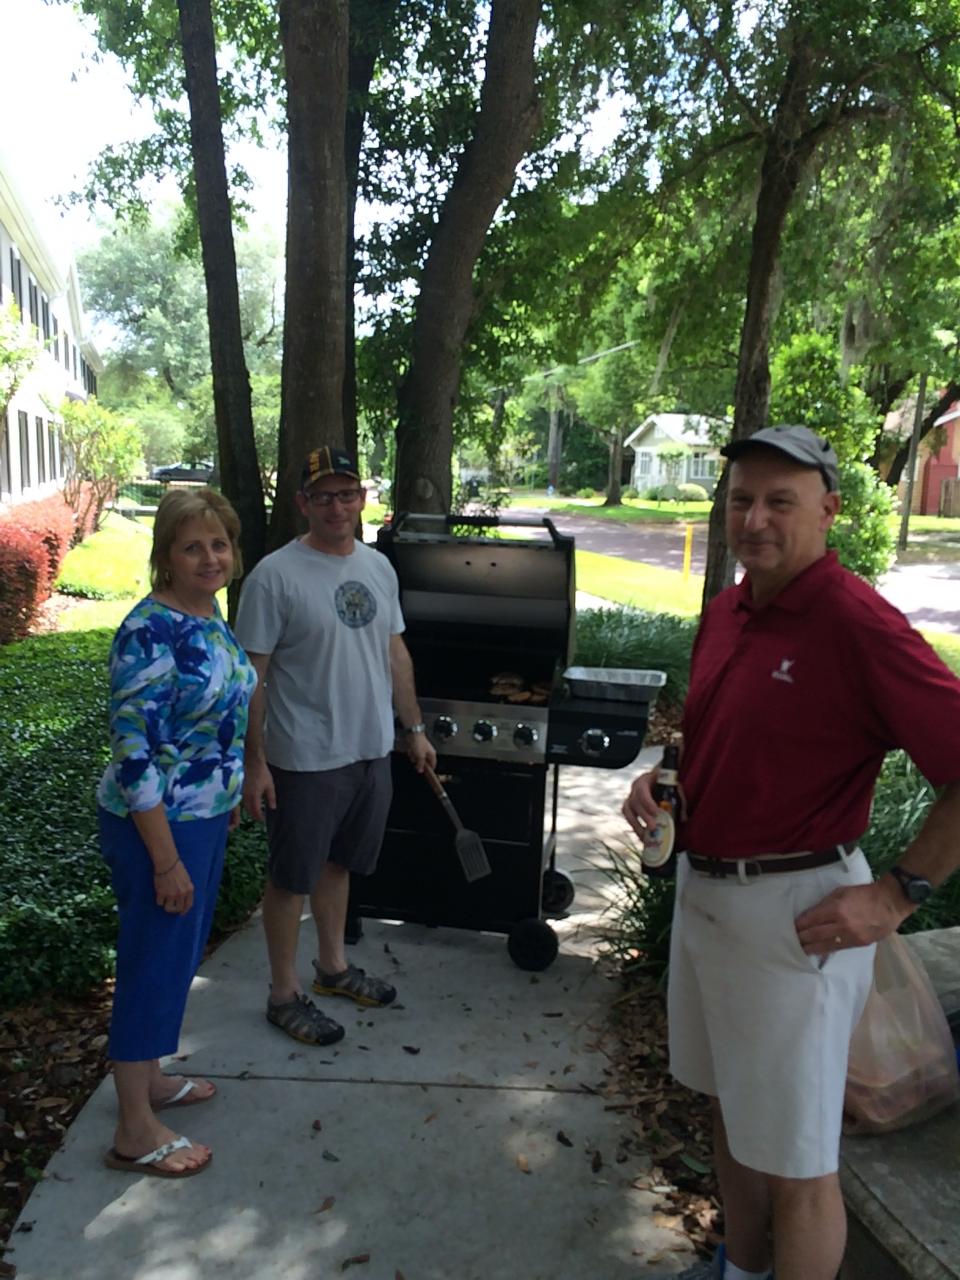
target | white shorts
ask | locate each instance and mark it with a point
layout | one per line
(759, 1024)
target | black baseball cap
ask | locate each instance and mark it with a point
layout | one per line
(799, 443)
(328, 460)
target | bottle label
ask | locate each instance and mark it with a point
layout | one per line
(659, 840)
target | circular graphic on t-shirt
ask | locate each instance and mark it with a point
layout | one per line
(356, 605)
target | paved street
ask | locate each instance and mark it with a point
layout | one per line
(929, 594)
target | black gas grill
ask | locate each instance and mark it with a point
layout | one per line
(490, 626)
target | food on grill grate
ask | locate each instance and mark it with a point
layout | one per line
(503, 683)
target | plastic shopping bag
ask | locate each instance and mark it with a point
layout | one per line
(903, 1062)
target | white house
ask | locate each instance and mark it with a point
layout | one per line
(700, 463)
(39, 275)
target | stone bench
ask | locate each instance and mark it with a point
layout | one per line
(903, 1189)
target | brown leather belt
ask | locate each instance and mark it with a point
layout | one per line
(718, 868)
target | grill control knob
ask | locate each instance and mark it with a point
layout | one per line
(594, 742)
(484, 731)
(445, 727)
(525, 735)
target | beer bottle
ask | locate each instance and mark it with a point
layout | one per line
(657, 855)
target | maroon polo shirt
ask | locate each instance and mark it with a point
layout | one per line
(793, 706)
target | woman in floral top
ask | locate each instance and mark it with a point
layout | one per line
(180, 689)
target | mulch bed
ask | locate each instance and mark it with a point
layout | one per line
(52, 1057)
(670, 1125)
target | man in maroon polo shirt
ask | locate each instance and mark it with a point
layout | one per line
(802, 679)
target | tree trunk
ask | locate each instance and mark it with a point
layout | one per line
(507, 121)
(944, 402)
(786, 153)
(495, 438)
(554, 447)
(315, 39)
(237, 452)
(370, 23)
(614, 498)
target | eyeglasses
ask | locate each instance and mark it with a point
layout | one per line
(326, 497)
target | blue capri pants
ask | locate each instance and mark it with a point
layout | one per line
(158, 953)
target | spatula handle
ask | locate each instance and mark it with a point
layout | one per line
(438, 790)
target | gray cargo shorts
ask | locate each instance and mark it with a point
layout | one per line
(336, 814)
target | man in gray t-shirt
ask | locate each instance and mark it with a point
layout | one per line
(321, 622)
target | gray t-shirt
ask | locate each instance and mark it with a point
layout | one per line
(326, 622)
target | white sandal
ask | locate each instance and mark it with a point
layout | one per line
(182, 1097)
(150, 1163)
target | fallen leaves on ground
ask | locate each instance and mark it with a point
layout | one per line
(669, 1124)
(52, 1057)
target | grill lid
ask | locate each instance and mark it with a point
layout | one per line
(493, 589)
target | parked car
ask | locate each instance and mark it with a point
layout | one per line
(197, 472)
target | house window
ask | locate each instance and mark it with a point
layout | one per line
(16, 279)
(24, 424)
(56, 338)
(41, 451)
(52, 448)
(5, 456)
(34, 297)
(644, 463)
(45, 316)
(702, 466)
(74, 349)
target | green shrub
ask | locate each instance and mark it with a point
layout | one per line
(624, 637)
(691, 493)
(861, 534)
(57, 914)
(586, 492)
(630, 492)
(652, 494)
(636, 931)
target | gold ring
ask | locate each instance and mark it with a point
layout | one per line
(838, 939)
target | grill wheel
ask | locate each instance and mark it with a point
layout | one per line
(532, 945)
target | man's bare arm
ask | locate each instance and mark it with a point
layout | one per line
(419, 748)
(257, 780)
(866, 913)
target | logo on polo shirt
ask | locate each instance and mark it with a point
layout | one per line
(783, 671)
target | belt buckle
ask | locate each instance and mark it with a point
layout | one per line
(748, 869)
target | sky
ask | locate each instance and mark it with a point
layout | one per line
(71, 107)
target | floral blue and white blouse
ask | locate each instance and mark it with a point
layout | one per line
(180, 689)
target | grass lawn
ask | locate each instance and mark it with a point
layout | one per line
(947, 645)
(109, 565)
(630, 511)
(642, 585)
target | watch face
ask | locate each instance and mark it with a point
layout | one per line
(918, 889)
(915, 888)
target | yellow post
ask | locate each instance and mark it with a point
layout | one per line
(687, 552)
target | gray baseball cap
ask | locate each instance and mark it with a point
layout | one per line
(799, 443)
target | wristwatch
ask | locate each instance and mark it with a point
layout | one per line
(415, 728)
(916, 889)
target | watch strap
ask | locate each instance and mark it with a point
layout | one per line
(415, 728)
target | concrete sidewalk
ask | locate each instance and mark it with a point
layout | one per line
(457, 1134)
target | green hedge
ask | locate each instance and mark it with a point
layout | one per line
(625, 637)
(57, 913)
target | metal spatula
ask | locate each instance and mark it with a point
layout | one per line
(469, 846)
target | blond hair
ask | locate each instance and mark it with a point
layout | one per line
(178, 505)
